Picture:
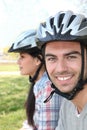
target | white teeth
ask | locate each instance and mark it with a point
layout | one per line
(63, 78)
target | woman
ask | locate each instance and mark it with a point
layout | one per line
(40, 115)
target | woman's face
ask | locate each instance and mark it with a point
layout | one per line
(28, 64)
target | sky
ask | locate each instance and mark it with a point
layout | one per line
(17, 16)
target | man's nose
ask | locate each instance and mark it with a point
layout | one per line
(61, 65)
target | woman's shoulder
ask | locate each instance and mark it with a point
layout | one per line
(42, 83)
(43, 80)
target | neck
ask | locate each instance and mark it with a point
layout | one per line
(80, 100)
(40, 73)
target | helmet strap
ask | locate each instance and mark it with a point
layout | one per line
(32, 79)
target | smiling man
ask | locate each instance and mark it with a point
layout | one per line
(63, 64)
(63, 39)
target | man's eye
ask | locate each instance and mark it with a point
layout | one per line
(51, 59)
(71, 57)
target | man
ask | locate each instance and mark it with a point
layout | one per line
(63, 39)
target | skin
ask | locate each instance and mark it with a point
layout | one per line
(28, 64)
(63, 63)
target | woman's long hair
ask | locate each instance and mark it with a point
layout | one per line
(30, 102)
(30, 105)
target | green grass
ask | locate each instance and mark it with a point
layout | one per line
(13, 93)
(8, 67)
(12, 121)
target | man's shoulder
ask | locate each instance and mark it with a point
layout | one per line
(67, 104)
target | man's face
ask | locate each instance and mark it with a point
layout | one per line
(63, 63)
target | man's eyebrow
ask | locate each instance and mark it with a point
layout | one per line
(46, 55)
(73, 52)
(66, 54)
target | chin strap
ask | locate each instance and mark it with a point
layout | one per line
(50, 96)
(68, 96)
(32, 79)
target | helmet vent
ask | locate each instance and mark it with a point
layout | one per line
(83, 24)
(71, 19)
(51, 22)
(60, 20)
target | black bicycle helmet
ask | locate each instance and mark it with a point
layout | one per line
(25, 42)
(65, 26)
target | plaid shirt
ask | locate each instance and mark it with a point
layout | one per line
(46, 114)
